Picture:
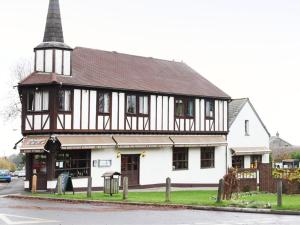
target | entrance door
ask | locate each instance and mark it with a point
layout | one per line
(130, 167)
(40, 166)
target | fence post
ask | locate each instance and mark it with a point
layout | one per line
(59, 185)
(89, 188)
(279, 193)
(220, 190)
(168, 189)
(125, 188)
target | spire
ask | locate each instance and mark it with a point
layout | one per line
(53, 30)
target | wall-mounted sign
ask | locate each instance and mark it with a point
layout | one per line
(104, 163)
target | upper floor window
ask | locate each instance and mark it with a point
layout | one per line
(247, 128)
(208, 157)
(143, 105)
(64, 100)
(184, 107)
(38, 100)
(180, 158)
(209, 109)
(131, 104)
(104, 102)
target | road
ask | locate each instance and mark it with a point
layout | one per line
(48, 213)
(16, 186)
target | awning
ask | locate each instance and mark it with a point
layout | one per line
(198, 141)
(34, 144)
(142, 141)
(85, 141)
(250, 150)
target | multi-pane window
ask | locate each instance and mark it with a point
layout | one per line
(247, 128)
(143, 105)
(180, 158)
(76, 163)
(254, 160)
(184, 107)
(64, 100)
(208, 157)
(238, 161)
(209, 109)
(104, 102)
(38, 100)
(131, 104)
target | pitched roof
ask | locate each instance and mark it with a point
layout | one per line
(97, 68)
(235, 107)
(278, 142)
(53, 30)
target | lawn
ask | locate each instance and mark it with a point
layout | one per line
(204, 198)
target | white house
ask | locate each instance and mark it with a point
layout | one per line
(248, 138)
(88, 111)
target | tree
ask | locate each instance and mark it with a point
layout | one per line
(18, 160)
(295, 155)
(12, 108)
(6, 164)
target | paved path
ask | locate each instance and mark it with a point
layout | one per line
(47, 213)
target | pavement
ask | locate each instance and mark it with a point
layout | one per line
(16, 211)
(16, 186)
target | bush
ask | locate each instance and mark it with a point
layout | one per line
(5, 164)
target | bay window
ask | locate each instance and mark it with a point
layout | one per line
(104, 102)
(64, 100)
(131, 104)
(37, 100)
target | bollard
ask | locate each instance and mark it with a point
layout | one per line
(220, 190)
(59, 185)
(125, 188)
(279, 193)
(89, 188)
(33, 184)
(168, 189)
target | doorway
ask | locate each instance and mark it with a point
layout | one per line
(130, 167)
(39, 164)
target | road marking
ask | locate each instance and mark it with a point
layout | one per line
(6, 218)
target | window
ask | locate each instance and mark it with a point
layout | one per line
(77, 163)
(210, 109)
(184, 107)
(131, 104)
(238, 161)
(247, 128)
(37, 101)
(64, 100)
(254, 160)
(39, 60)
(180, 158)
(190, 108)
(104, 102)
(179, 107)
(143, 105)
(208, 157)
(48, 61)
(58, 61)
(67, 63)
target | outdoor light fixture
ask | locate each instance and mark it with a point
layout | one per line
(143, 154)
(118, 154)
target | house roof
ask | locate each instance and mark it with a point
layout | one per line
(103, 69)
(53, 30)
(235, 107)
(278, 142)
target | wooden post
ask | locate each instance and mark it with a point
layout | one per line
(279, 193)
(33, 184)
(168, 189)
(59, 185)
(220, 190)
(125, 188)
(89, 188)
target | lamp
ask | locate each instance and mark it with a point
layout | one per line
(118, 154)
(143, 154)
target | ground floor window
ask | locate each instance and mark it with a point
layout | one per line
(77, 163)
(180, 158)
(238, 161)
(208, 157)
(254, 160)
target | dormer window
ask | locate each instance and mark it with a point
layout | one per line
(53, 61)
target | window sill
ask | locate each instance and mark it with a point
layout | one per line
(204, 168)
(180, 169)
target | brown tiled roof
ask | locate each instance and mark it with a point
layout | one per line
(96, 68)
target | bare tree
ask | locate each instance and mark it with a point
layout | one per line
(12, 107)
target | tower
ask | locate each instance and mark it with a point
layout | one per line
(53, 55)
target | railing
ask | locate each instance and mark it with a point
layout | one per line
(246, 173)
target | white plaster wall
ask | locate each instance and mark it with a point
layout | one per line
(258, 136)
(197, 175)
(265, 158)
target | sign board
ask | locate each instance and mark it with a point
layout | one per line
(66, 183)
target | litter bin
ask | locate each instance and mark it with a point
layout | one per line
(111, 182)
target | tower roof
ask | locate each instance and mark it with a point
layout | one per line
(53, 30)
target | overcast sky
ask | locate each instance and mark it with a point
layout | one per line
(247, 48)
